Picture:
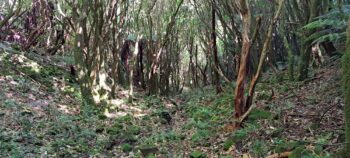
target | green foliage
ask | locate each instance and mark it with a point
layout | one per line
(330, 27)
(224, 99)
(126, 147)
(280, 145)
(304, 152)
(135, 130)
(12, 149)
(198, 154)
(259, 148)
(258, 114)
(324, 21)
(202, 114)
(263, 95)
(69, 60)
(239, 135)
(231, 141)
(151, 156)
(86, 135)
(201, 135)
(159, 137)
(127, 119)
(153, 101)
(10, 103)
(226, 157)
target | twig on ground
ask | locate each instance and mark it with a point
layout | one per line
(315, 143)
(241, 119)
(328, 109)
(23, 74)
(280, 155)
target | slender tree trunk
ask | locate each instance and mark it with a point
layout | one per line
(291, 58)
(306, 46)
(242, 103)
(239, 101)
(154, 72)
(264, 51)
(215, 51)
(346, 92)
(143, 83)
(191, 68)
(153, 76)
(195, 66)
(132, 67)
(82, 68)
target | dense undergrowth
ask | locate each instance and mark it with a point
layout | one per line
(41, 117)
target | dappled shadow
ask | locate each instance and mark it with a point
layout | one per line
(306, 116)
(120, 107)
(317, 115)
(37, 84)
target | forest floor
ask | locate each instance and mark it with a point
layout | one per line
(41, 116)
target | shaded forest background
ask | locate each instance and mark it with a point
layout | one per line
(245, 66)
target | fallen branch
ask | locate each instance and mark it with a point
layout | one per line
(311, 79)
(315, 143)
(280, 155)
(218, 70)
(328, 109)
(172, 101)
(245, 115)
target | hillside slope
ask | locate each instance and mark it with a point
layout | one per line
(40, 116)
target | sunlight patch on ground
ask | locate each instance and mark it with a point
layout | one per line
(21, 59)
(109, 114)
(114, 103)
(68, 109)
(34, 66)
(2, 58)
(18, 58)
(119, 108)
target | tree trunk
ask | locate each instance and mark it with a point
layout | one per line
(82, 68)
(191, 67)
(154, 72)
(195, 66)
(242, 103)
(215, 51)
(306, 46)
(153, 76)
(239, 101)
(291, 58)
(142, 75)
(132, 67)
(90, 53)
(263, 56)
(346, 92)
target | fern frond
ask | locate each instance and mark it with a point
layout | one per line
(334, 37)
(316, 36)
(320, 24)
(329, 27)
